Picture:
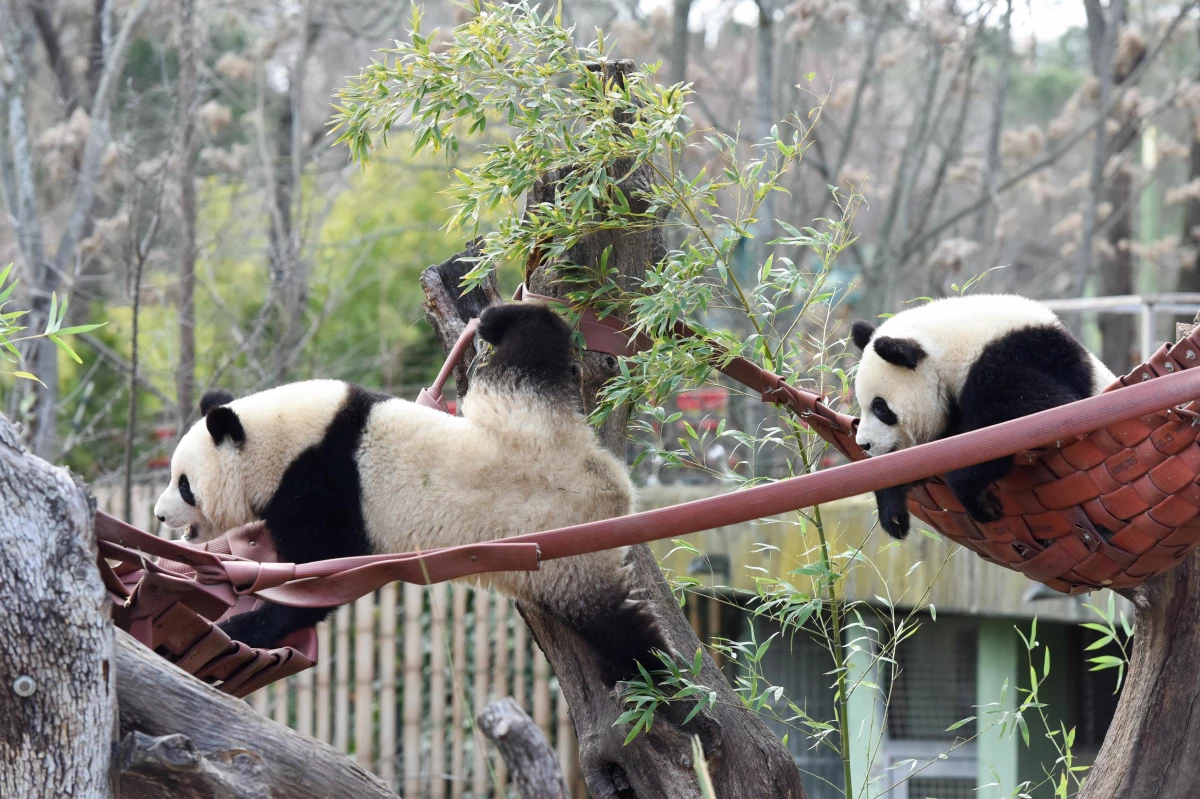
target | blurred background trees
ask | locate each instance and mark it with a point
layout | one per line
(169, 163)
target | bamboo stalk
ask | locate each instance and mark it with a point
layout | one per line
(479, 769)
(459, 687)
(364, 678)
(341, 681)
(437, 691)
(388, 596)
(325, 656)
(414, 598)
(714, 626)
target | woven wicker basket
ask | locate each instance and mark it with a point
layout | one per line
(1110, 509)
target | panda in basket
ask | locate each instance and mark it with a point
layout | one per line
(959, 364)
(336, 470)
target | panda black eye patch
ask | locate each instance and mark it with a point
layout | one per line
(185, 490)
(882, 412)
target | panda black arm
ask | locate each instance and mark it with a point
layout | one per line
(892, 504)
(1025, 372)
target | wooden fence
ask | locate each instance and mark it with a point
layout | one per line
(400, 676)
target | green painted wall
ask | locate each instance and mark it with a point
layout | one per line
(997, 750)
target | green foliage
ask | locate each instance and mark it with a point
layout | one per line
(1109, 633)
(10, 327)
(512, 65)
(648, 692)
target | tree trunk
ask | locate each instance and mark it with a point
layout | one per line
(185, 372)
(679, 40)
(1189, 278)
(985, 225)
(657, 764)
(56, 642)
(1153, 743)
(1116, 268)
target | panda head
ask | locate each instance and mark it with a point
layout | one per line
(207, 493)
(900, 396)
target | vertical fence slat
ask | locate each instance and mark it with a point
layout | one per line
(479, 771)
(714, 626)
(520, 651)
(541, 691)
(341, 681)
(258, 701)
(459, 688)
(437, 691)
(325, 657)
(500, 681)
(565, 736)
(279, 691)
(304, 701)
(387, 683)
(364, 678)
(414, 598)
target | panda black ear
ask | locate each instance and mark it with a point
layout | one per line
(224, 424)
(861, 332)
(900, 351)
(531, 322)
(213, 399)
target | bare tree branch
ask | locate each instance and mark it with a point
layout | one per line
(42, 17)
(920, 238)
(525, 750)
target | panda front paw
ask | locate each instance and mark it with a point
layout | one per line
(985, 507)
(893, 511)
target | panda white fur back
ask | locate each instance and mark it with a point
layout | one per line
(959, 364)
(337, 470)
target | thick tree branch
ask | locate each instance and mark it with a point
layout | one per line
(182, 737)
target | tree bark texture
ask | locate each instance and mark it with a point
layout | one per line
(56, 642)
(525, 750)
(657, 764)
(1153, 743)
(181, 738)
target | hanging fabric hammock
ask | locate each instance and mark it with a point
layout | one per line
(1104, 494)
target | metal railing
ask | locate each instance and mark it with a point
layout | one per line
(1146, 307)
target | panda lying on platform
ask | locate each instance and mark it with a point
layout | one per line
(956, 365)
(336, 470)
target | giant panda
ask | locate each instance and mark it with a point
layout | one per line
(337, 470)
(958, 364)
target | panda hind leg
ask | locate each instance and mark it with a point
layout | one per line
(971, 486)
(265, 627)
(621, 634)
